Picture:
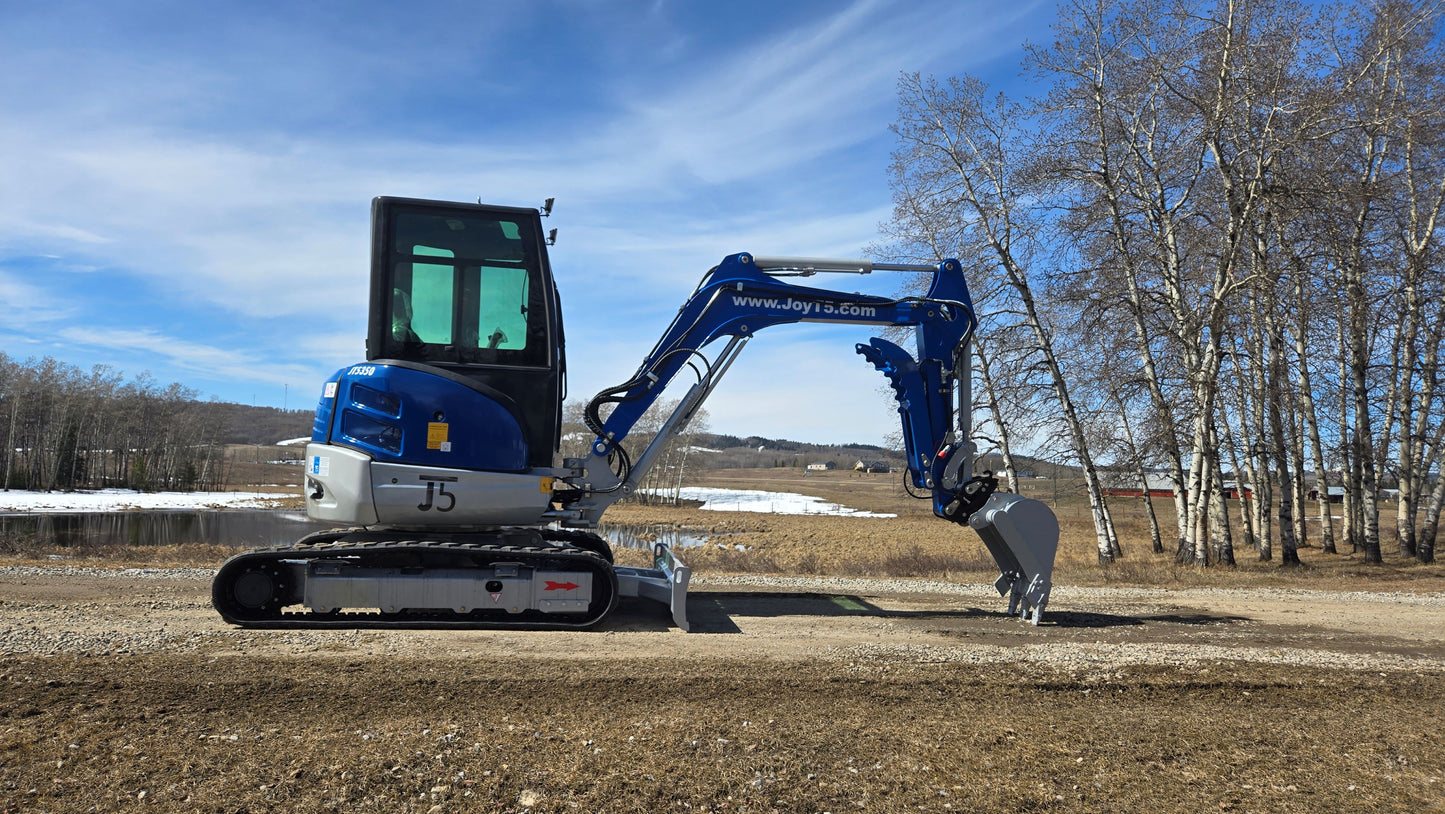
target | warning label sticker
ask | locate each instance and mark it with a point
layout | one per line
(436, 436)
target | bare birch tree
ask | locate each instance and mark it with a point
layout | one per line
(1252, 190)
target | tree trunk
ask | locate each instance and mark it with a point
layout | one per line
(1246, 496)
(1310, 419)
(1156, 542)
(990, 389)
(10, 442)
(1220, 536)
(1425, 547)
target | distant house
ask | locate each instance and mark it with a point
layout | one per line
(1126, 484)
(822, 466)
(1234, 489)
(1159, 484)
(872, 466)
(1336, 494)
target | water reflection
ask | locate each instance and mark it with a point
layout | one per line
(244, 529)
(644, 536)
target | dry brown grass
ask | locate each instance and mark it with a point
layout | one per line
(916, 544)
(16, 550)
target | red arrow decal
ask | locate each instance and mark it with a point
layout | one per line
(561, 586)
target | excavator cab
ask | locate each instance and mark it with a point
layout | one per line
(455, 418)
(466, 291)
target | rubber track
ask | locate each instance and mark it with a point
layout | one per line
(380, 551)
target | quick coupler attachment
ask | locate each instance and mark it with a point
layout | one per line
(666, 582)
(1022, 534)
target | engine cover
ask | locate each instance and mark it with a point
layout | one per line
(403, 413)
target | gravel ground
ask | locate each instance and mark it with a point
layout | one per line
(54, 610)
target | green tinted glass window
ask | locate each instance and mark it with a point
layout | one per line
(431, 297)
(464, 289)
(502, 308)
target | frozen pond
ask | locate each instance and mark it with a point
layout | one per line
(243, 528)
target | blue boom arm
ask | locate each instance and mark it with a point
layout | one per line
(740, 297)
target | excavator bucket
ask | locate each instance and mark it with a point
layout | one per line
(1022, 534)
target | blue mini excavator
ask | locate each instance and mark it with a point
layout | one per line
(438, 455)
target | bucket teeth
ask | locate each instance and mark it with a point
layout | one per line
(1023, 537)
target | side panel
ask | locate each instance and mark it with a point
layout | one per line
(325, 409)
(512, 588)
(347, 486)
(417, 497)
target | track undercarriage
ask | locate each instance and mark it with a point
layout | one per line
(519, 578)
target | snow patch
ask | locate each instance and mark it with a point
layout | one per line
(753, 500)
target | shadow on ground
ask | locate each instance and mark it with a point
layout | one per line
(718, 612)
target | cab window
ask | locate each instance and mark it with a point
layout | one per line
(464, 289)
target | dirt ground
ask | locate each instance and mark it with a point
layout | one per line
(124, 691)
(836, 664)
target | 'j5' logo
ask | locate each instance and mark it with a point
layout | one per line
(434, 492)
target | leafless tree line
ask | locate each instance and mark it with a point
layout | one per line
(1212, 247)
(65, 428)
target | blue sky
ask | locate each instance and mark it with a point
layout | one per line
(186, 187)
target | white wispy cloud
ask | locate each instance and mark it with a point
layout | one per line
(189, 356)
(28, 306)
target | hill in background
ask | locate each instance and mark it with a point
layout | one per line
(754, 452)
(244, 424)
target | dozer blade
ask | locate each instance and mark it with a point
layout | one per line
(666, 582)
(1022, 534)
